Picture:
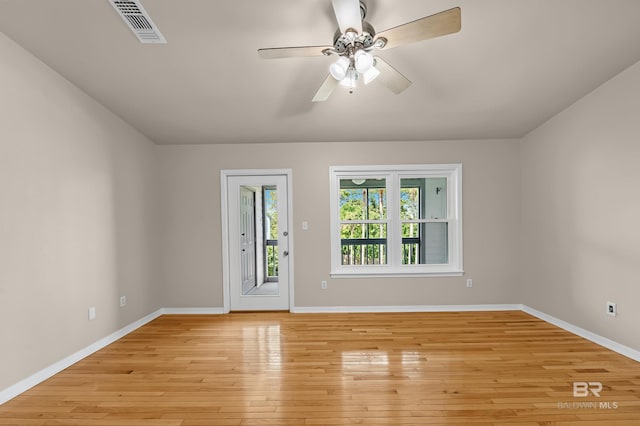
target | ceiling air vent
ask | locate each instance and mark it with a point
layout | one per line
(134, 15)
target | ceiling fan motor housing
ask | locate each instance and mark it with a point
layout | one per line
(342, 42)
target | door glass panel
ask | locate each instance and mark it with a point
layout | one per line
(271, 233)
(259, 240)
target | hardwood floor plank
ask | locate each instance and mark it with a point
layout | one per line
(442, 368)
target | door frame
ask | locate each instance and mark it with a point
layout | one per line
(224, 207)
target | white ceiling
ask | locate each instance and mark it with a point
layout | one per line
(513, 65)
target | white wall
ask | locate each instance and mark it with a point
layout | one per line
(76, 218)
(191, 261)
(580, 212)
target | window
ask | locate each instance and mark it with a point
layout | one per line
(396, 220)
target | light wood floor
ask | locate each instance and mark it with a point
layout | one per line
(473, 368)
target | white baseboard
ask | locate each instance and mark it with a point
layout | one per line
(42, 375)
(595, 338)
(409, 308)
(192, 311)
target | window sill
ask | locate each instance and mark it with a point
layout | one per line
(438, 274)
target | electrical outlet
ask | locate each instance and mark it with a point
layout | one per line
(323, 285)
(612, 309)
(123, 301)
(469, 283)
(92, 313)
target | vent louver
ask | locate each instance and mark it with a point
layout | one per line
(138, 20)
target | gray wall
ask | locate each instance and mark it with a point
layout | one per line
(76, 218)
(580, 209)
(191, 261)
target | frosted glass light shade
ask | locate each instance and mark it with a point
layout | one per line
(363, 61)
(338, 69)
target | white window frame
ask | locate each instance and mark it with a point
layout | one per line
(393, 175)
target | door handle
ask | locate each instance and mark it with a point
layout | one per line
(285, 253)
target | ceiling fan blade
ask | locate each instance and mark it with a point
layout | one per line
(292, 52)
(348, 15)
(390, 77)
(327, 88)
(433, 26)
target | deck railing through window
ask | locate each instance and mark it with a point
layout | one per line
(271, 248)
(373, 251)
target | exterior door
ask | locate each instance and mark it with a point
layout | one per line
(249, 218)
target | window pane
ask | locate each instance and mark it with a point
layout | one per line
(364, 244)
(425, 243)
(363, 199)
(423, 198)
(436, 246)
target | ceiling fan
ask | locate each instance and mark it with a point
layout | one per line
(356, 39)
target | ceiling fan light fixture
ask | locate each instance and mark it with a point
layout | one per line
(354, 42)
(340, 68)
(363, 60)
